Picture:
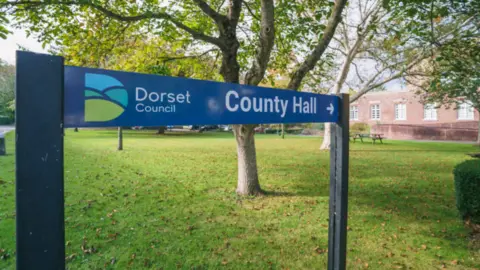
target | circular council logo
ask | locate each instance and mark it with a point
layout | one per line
(105, 98)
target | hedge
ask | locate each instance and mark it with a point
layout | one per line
(467, 190)
(360, 127)
(6, 120)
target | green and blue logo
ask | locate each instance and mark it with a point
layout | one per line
(105, 98)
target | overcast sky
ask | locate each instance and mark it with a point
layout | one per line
(10, 45)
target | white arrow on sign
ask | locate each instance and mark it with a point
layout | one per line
(331, 109)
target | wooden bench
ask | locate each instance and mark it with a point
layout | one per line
(359, 136)
(373, 136)
(377, 136)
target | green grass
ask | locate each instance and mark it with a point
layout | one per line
(168, 202)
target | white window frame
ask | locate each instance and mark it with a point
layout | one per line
(375, 112)
(430, 112)
(400, 111)
(465, 111)
(354, 112)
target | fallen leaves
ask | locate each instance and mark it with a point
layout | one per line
(319, 250)
(113, 236)
(86, 249)
(70, 257)
(4, 255)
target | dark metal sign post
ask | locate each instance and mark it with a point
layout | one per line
(39, 162)
(51, 96)
(337, 229)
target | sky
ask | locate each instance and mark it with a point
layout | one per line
(10, 45)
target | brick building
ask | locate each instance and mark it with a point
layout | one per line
(402, 115)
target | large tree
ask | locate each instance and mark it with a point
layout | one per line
(248, 35)
(376, 45)
(372, 49)
(451, 76)
(455, 75)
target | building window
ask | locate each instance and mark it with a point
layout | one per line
(400, 111)
(429, 112)
(354, 112)
(465, 111)
(375, 112)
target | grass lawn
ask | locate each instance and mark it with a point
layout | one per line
(168, 202)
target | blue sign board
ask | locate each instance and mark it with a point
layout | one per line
(104, 98)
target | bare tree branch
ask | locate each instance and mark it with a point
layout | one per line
(234, 11)
(320, 48)
(172, 58)
(370, 85)
(338, 50)
(340, 42)
(246, 34)
(356, 71)
(344, 32)
(267, 37)
(217, 17)
(250, 11)
(220, 6)
(373, 86)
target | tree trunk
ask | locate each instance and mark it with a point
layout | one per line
(283, 131)
(161, 130)
(120, 139)
(326, 138)
(248, 183)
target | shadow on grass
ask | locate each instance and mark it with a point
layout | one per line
(129, 134)
(273, 193)
(406, 150)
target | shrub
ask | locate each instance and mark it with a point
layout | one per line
(318, 126)
(4, 120)
(360, 127)
(467, 190)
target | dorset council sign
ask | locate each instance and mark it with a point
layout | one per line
(104, 98)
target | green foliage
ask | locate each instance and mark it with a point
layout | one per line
(451, 29)
(5, 120)
(318, 126)
(427, 19)
(87, 36)
(360, 128)
(456, 73)
(3, 26)
(298, 24)
(7, 91)
(122, 47)
(467, 190)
